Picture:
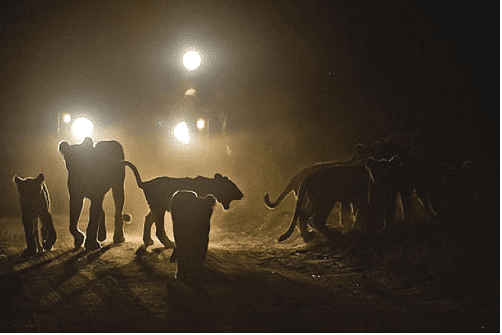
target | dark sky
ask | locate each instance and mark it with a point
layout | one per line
(355, 70)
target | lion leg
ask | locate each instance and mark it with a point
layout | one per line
(96, 213)
(118, 198)
(102, 228)
(306, 235)
(319, 220)
(161, 231)
(347, 215)
(31, 244)
(424, 195)
(43, 231)
(48, 232)
(37, 231)
(147, 230)
(406, 203)
(390, 211)
(76, 204)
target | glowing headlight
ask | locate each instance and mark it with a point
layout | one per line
(191, 60)
(201, 123)
(181, 133)
(81, 128)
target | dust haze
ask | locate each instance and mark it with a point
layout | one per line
(258, 161)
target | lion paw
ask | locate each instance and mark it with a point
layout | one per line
(148, 241)
(78, 240)
(309, 237)
(168, 244)
(92, 245)
(28, 252)
(118, 239)
(101, 235)
(47, 246)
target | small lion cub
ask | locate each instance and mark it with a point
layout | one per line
(191, 216)
(35, 204)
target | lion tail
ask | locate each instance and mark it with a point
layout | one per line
(298, 208)
(293, 185)
(136, 173)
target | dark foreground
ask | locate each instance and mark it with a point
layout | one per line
(253, 284)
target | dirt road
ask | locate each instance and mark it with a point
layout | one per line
(252, 284)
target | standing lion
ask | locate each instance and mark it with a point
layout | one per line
(92, 171)
(35, 205)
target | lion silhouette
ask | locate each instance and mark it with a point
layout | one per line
(354, 184)
(191, 216)
(92, 171)
(35, 204)
(159, 191)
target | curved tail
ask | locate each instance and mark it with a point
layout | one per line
(293, 185)
(298, 208)
(136, 173)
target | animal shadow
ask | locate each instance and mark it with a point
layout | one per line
(81, 259)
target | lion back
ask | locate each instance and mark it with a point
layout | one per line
(94, 167)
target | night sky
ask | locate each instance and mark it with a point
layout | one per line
(331, 73)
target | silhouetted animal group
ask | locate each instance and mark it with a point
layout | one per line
(95, 169)
(366, 185)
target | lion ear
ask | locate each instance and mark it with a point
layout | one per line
(210, 200)
(370, 163)
(218, 176)
(40, 178)
(17, 179)
(359, 150)
(395, 161)
(88, 142)
(63, 147)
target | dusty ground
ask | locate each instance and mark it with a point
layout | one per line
(252, 284)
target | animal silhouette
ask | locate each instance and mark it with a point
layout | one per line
(35, 205)
(191, 224)
(92, 171)
(159, 191)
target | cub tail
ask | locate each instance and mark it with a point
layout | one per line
(136, 173)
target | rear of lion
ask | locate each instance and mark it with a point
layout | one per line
(370, 187)
(191, 216)
(347, 184)
(347, 211)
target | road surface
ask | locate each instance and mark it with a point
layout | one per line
(252, 284)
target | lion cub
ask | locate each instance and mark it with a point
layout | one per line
(191, 216)
(34, 199)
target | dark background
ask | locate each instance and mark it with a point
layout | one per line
(299, 82)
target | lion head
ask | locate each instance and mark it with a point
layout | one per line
(225, 190)
(30, 189)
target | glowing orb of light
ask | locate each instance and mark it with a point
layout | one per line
(191, 60)
(181, 132)
(201, 124)
(81, 128)
(66, 118)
